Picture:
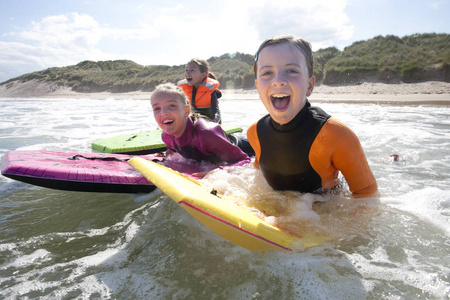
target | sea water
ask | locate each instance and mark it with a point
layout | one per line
(64, 245)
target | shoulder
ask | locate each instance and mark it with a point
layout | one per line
(181, 82)
(337, 134)
(263, 124)
(337, 127)
(167, 139)
(211, 83)
(252, 133)
(319, 114)
(205, 126)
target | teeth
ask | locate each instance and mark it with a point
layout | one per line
(167, 121)
(281, 95)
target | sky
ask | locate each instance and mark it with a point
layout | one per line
(39, 34)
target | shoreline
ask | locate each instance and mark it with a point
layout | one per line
(424, 93)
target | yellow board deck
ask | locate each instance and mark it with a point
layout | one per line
(222, 216)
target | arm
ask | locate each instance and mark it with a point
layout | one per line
(252, 136)
(351, 161)
(213, 140)
(215, 107)
(167, 139)
(337, 148)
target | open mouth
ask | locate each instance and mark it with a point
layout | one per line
(167, 122)
(280, 101)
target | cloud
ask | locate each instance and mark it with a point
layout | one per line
(62, 40)
(170, 35)
(437, 4)
(80, 30)
(64, 30)
(320, 22)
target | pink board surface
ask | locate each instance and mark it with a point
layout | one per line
(74, 171)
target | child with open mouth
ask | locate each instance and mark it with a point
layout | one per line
(190, 135)
(299, 147)
(202, 89)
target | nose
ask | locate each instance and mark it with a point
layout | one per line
(279, 79)
(164, 111)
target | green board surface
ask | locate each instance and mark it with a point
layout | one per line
(146, 142)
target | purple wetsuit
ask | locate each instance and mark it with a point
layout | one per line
(205, 140)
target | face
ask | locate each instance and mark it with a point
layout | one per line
(193, 75)
(170, 113)
(282, 81)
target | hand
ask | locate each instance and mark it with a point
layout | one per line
(200, 174)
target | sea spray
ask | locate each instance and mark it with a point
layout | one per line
(392, 247)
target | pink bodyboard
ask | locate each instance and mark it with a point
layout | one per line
(89, 172)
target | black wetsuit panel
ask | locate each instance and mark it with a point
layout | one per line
(285, 150)
(212, 112)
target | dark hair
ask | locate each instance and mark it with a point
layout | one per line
(300, 44)
(211, 75)
(203, 65)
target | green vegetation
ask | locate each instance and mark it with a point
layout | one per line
(389, 59)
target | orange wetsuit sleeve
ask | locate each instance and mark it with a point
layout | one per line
(252, 137)
(337, 148)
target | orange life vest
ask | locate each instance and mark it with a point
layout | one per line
(204, 91)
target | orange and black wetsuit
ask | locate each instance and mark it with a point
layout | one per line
(307, 153)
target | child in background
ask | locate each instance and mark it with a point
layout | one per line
(299, 147)
(201, 88)
(189, 135)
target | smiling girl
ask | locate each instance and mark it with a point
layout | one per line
(191, 136)
(300, 147)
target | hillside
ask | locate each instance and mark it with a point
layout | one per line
(389, 59)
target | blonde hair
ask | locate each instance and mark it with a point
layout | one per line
(170, 88)
(300, 44)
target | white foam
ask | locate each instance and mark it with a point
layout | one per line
(161, 252)
(430, 204)
(38, 256)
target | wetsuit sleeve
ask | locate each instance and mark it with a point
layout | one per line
(252, 136)
(337, 148)
(215, 108)
(213, 140)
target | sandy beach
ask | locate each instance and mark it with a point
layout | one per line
(431, 93)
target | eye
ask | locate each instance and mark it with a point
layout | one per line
(292, 71)
(266, 73)
(156, 108)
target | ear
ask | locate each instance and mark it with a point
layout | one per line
(188, 111)
(311, 83)
(256, 83)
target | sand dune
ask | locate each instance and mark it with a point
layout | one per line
(431, 92)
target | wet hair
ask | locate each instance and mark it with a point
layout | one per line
(170, 88)
(300, 44)
(202, 64)
(211, 75)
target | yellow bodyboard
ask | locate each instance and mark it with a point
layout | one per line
(222, 216)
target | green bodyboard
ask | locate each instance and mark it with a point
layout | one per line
(146, 142)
